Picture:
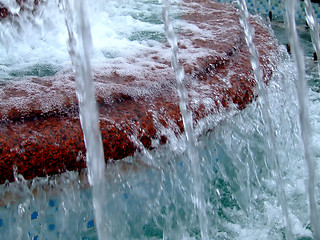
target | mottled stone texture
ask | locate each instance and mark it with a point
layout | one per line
(40, 131)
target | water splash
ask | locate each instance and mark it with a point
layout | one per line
(148, 203)
(79, 50)
(265, 108)
(302, 92)
(193, 154)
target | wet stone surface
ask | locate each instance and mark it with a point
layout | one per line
(40, 130)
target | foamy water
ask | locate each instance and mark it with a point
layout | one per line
(36, 44)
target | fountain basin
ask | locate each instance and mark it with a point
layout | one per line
(40, 131)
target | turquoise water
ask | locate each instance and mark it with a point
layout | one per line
(150, 196)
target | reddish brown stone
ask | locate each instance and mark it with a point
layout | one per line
(40, 132)
(3, 12)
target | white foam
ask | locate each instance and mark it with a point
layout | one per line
(129, 31)
(29, 39)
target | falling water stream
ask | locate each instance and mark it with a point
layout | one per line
(304, 109)
(265, 108)
(79, 49)
(315, 36)
(193, 154)
(250, 182)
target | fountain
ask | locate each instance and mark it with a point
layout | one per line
(239, 177)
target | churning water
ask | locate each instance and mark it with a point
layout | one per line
(151, 196)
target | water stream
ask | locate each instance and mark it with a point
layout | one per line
(266, 112)
(79, 49)
(304, 112)
(193, 154)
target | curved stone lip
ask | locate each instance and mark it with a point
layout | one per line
(40, 132)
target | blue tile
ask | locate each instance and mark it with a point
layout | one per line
(51, 227)
(90, 223)
(35, 238)
(34, 215)
(1, 222)
(51, 203)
